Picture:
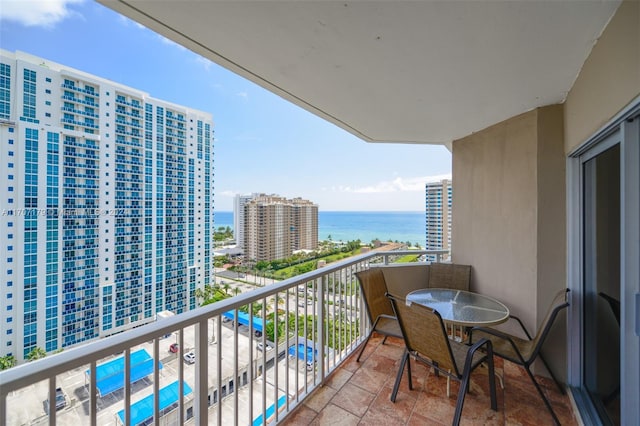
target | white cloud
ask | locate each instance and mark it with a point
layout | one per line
(126, 22)
(227, 193)
(399, 184)
(42, 13)
(243, 95)
(204, 62)
(169, 42)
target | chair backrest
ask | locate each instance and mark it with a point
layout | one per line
(374, 289)
(560, 301)
(449, 275)
(424, 332)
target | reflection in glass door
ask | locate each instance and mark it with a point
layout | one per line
(601, 319)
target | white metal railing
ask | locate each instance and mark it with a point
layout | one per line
(232, 379)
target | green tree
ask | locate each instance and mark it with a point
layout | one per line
(36, 353)
(7, 362)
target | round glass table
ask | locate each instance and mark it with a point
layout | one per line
(460, 307)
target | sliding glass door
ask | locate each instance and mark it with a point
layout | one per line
(601, 288)
(604, 273)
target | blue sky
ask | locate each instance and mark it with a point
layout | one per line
(262, 142)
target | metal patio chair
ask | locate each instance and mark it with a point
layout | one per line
(525, 351)
(426, 341)
(450, 275)
(454, 276)
(374, 289)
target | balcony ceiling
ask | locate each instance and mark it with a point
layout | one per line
(392, 71)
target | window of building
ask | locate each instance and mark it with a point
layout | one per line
(48, 80)
(47, 91)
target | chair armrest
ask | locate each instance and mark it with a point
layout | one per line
(499, 334)
(472, 350)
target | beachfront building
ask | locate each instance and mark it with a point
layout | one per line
(438, 199)
(275, 227)
(106, 200)
(238, 216)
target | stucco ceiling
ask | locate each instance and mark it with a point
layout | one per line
(393, 71)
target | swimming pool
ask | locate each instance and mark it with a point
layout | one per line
(300, 350)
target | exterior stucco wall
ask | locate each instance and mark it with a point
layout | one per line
(495, 211)
(552, 242)
(609, 79)
(509, 214)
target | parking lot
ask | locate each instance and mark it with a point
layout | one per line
(30, 405)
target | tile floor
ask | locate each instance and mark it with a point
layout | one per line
(357, 393)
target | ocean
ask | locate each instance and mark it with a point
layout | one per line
(365, 226)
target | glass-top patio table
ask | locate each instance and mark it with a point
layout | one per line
(462, 308)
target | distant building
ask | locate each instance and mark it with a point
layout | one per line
(274, 227)
(438, 198)
(238, 217)
(106, 205)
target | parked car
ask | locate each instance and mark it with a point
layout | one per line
(260, 346)
(190, 357)
(173, 348)
(61, 400)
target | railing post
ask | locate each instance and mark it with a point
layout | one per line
(201, 370)
(321, 285)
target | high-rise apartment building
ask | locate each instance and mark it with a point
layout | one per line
(275, 227)
(238, 216)
(438, 197)
(106, 205)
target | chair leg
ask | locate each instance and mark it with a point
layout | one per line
(384, 339)
(544, 398)
(364, 345)
(409, 371)
(492, 382)
(396, 385)
(460, 402)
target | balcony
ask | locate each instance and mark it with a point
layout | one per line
(358, 393)
(233, 379)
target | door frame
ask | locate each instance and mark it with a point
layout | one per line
(624, 129)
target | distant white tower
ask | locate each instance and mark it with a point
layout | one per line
(238, 216)
(438, 197)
